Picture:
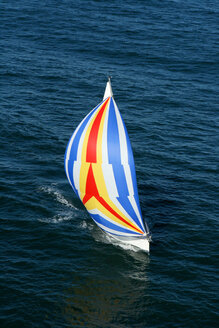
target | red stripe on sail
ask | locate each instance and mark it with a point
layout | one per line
(92, 191)
(91, 156)
(91, 187)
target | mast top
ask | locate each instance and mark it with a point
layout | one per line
(108, 91)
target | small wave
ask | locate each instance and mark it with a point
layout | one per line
(87, 226)
(58, 196)
(56, 219)
(141, 276)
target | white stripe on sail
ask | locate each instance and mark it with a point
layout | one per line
(110, 180)
(76, 175)
(135, 207)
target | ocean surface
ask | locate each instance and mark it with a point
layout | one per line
(57, 268)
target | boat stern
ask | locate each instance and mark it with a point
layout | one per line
(142, 243)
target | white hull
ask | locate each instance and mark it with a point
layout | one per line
(141, 242)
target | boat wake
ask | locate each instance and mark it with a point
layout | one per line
(87, 226)
(58, 196)
(61, 216)
(58, 218)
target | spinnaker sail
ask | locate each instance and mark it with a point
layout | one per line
(100, 167)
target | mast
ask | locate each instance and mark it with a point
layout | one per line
(108, 91)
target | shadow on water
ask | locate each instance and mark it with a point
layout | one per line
(116, 281)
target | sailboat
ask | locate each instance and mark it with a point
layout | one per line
(100, 168)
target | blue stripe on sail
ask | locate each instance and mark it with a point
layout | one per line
(99, 219)
(114, 154)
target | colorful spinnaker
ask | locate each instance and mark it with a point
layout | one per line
(100, 167)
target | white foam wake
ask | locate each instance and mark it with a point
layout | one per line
(58, 196)
(62, 215)
(58, 218)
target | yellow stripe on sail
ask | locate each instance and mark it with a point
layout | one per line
(83, 178)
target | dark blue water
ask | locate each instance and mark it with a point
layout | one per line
(57, 267)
